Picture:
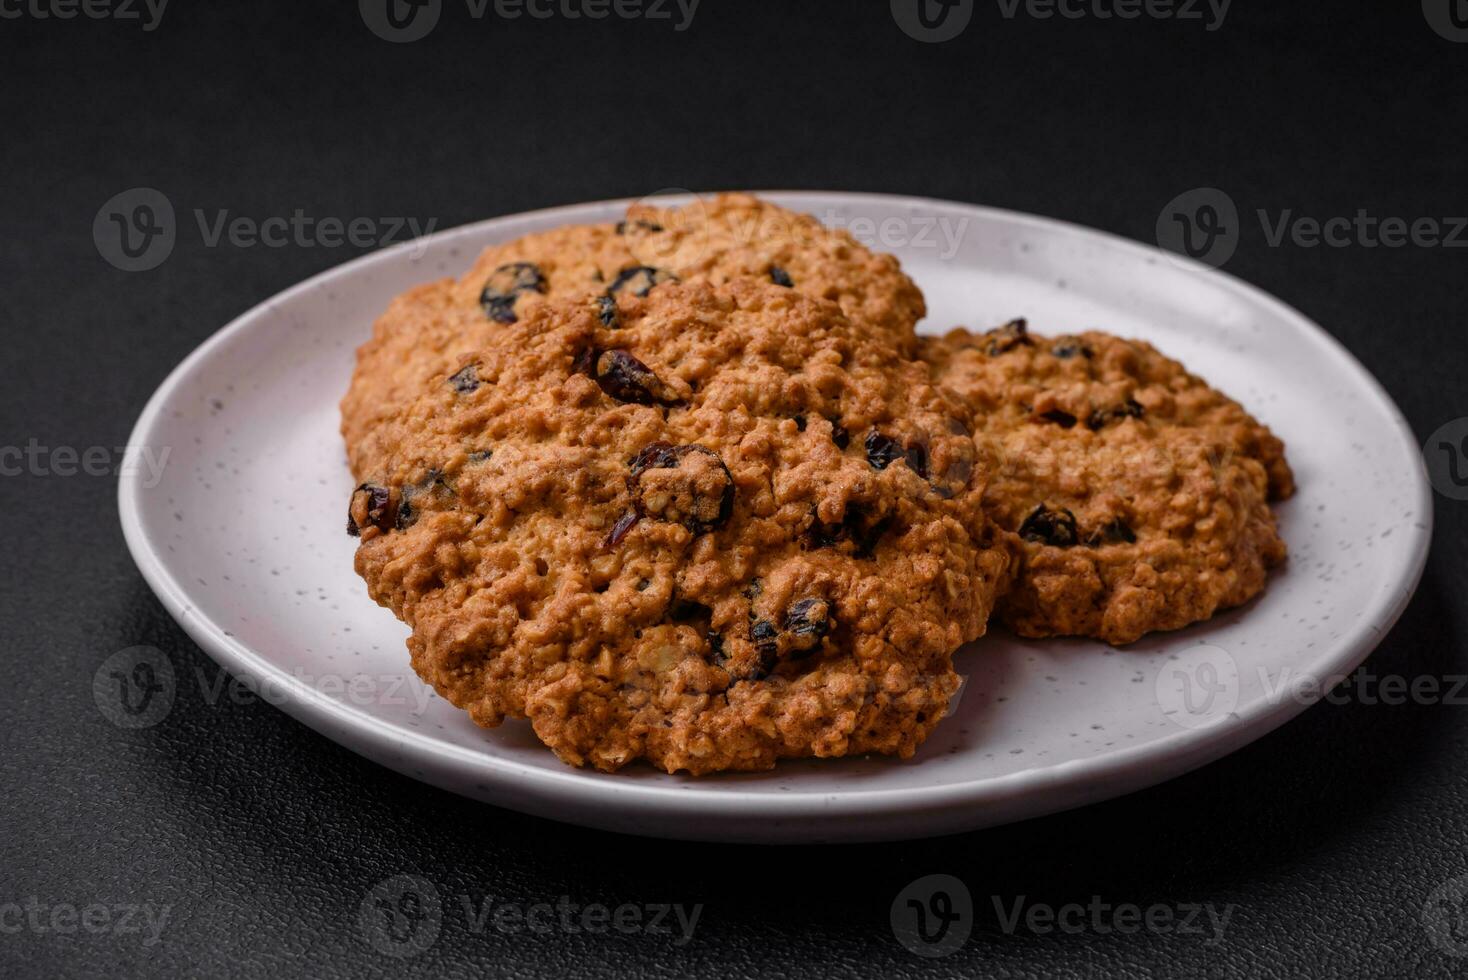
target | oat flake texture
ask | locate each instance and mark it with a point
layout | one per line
(715, 240)
(713, 526)
(1139, 496)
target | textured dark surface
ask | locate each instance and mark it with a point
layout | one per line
(1327, 837)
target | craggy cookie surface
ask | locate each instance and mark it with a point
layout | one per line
(716, 240)
(1139, 495)
(709, 527)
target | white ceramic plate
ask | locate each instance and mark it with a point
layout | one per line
(242, 538)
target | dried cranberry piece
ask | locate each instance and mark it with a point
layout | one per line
(407, 514)
(688, 485)
(1063, 419)
(882, 450)
(766, 640)
(369, 507)
(1052, 527)
(855, 527)
(585, 362)
(606, 312)
(1129, 409)
(505, 285)
(640, 279)
(620, 529)
(806, 622)
(1008, 337)
(825, 535)
(1115, 531)
(780, 277)
(1068, 347)
(627, 379)
(466, 379)
(866, 538)
(917, 458)
(683, 610)
(642, 223)
(654, 456)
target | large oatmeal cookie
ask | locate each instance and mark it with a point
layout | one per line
(726, 237)
(724, 527)
(1138, 494)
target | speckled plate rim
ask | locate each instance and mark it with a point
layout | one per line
(855, 815)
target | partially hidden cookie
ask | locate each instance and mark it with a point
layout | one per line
(726, 527)
(1139, 496)
(716, 240)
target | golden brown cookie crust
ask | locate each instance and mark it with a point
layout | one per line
(728, 528)
(715, 240)
(712, 240)
(1138, 496)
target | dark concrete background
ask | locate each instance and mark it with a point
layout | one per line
(1326, 841)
